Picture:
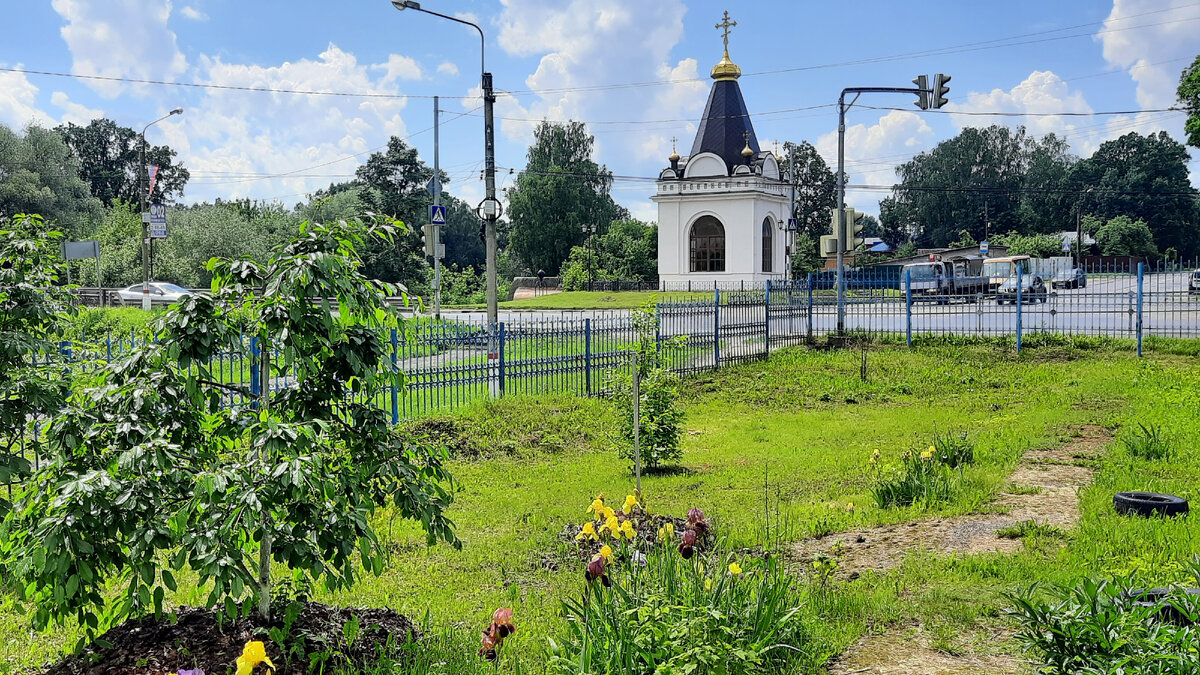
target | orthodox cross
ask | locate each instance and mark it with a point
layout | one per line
(725, 25)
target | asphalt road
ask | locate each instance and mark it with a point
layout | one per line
(1107, 306)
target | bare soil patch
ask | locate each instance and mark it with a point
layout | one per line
(197, 640)
(1050, 480)
(910, 650)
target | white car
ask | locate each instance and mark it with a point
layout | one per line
(160, 292)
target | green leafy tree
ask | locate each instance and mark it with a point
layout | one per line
(39, 175)
(1123, 236)
(110, 160)
(146, 473)
(996, 175)
(805, 259)
(816, 188)
(627, 251)
(1036, 245)
(1189, 98)
(33, 306)
(561, 191)
(1144, 177)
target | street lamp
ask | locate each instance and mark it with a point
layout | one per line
(490, 207)
(142, 198)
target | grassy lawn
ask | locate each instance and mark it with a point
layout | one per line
(601, 299)
(775, 452)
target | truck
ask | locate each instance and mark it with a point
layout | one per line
(1002, 274)
(941, 280)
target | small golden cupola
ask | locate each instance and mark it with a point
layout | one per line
(726, 69)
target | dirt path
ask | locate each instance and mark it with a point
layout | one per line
(1044, 489)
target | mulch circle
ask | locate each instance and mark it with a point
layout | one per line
(197, 640)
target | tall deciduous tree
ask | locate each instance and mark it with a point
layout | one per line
(1189, 98)
(560, 191)
(816, 188)
(39, 175)
(110, 161)
(1144, 177)
(994, 179)
(1123, 236)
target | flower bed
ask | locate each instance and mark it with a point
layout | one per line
(631, 529)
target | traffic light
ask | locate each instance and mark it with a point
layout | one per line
(428, 239)
(829, 245)
(922, 82)
(853, 241)
(940, 89)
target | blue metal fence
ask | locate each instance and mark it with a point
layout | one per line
(452, 364)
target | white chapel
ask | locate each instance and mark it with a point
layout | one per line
(720, 207)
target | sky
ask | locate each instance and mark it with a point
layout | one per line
(636, 71)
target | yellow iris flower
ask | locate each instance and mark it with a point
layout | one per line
(735, 569)
(928, 454)
(589, 532)
(630, 502)
(612, 526)
(850, 507)
(606, 553)
(597, 507)
(627, 529)
(608, 512)
(253, 654)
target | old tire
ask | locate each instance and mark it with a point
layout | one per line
(1149, 504)
(1156, 596)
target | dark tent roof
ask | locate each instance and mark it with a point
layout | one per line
(724, 124)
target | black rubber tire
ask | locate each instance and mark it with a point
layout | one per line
(1153, 596)
(1149, 504)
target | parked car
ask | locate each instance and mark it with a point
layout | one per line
(1194, 283)
(1033, 289)
(160, 292)
(1069, 278)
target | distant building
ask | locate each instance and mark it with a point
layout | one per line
(723, 207)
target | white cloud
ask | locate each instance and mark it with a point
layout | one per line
(231, 134)
(447, 68)
(1140, 44)
(18, 102)
(192, 13)
(399, 68)
(74, 113)
(120, 38)
(872, 152)
(583, 43)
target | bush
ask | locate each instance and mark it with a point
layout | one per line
(674, 616)
(1108, 627)
(922, 480)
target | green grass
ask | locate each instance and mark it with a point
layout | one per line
(773, 452)
(602, 299)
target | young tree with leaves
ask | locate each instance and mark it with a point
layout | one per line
(816, 188)
(33, 306)
(148, 471)
(39, 175)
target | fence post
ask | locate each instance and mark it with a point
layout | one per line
(767, 319)
(395, 388)
(108, 347)
(716, 327)
(501, 355)
(810, 306)
(1020, 305)
(255, 383)
(908, 307)
(587, 354)
(1139, 309)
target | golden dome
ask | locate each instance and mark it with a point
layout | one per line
(746, 151)
(725, 69)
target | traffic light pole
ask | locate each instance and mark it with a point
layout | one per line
(437, 229)
(841, 184)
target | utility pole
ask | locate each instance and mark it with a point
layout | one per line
(791, 229)
(491, 207)
(437, 229)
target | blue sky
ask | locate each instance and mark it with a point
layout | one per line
(635, 70)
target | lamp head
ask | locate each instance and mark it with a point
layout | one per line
(405, 4)
(177, 111)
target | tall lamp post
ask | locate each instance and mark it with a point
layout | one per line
(143, 198)
(490, 207)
